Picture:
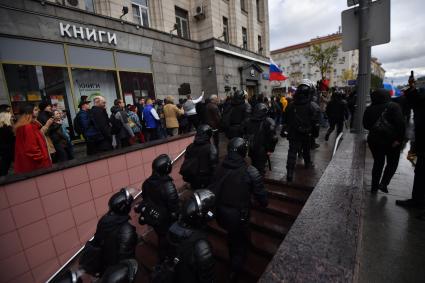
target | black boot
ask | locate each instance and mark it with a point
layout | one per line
(289, 176)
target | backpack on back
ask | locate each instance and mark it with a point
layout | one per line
(116, 125)
(77, 125)
(383, 130)
(191, 167)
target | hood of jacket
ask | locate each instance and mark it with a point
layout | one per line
(201, 138)
(380, 96)
(110, 221)
(238, 100)
(233, 161)
(115, 109)
(155, 180)
(300, 99)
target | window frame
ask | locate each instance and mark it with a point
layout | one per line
(243, 6)
(141, 7)
(180, 19)
(226, 29)
(245, 35)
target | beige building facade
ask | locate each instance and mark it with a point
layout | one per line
(243, 23)
(376, 68)
(297, 66)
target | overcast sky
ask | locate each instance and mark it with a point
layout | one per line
(296, 21)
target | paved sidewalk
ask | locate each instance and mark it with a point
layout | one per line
(392, 244)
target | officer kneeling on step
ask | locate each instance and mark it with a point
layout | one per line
(235, 182)
(189, 256)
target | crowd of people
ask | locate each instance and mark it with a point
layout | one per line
(221, 189)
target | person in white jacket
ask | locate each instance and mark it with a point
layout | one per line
(189, 108)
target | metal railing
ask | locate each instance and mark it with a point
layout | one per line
(67, 264)
(337, 143)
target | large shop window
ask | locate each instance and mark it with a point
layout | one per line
(92, 83)
(33, 84)
(136, 85)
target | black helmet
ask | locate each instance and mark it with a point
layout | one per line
(199, 208)
(238, 145)
(120, 203)
(260, 109)
(239, 95)
(162, 165)
(204, 130)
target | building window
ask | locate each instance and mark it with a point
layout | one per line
(182, 23)
(89, 5)
(257, 4)
(244, 38)
(243, 6)
(260, 44)
(226, 29)
(141, 12)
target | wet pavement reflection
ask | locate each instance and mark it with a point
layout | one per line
(392, 245)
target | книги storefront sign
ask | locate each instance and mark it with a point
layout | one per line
(90, 34)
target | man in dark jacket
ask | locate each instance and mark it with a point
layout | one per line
(416, 101)
(384, 146)
(120, 127)
(236, 115)
(188, 241)
(45, 112)
(102, 123)
(160, 190)
(88, 128)
(235, 182)
(260, 131)
(302, 116)
(213, 118)
(337, 111)
(201, 159)
(116, 236)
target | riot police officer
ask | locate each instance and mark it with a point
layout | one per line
(260, 131)
(235, 181)
(188, 244)
(201, 159)
(160, 193)
(114, 235)
(302, 118)
(235, 115)
(123, 272)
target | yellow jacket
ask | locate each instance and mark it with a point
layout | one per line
(171, 113)
(284, 103)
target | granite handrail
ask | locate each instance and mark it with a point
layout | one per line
(321, 245)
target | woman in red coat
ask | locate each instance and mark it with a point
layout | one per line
(30, 147)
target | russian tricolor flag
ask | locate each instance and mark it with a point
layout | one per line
(276, 73)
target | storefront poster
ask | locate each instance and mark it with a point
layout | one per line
(128, 98)
(17, 97)
(93, 83)
(34, 96)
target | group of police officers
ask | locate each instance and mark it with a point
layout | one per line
(223, 190)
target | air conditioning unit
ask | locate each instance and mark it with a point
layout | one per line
(199, 12)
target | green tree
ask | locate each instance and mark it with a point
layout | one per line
(323, 58)
(375, 82)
